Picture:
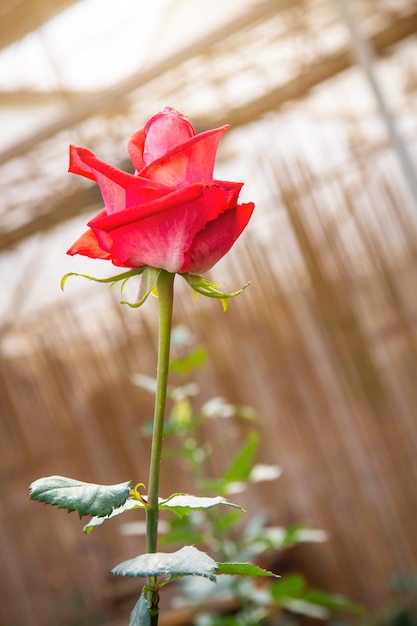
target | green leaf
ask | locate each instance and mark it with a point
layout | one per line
(182, 503)
(148, 282)
(140, 614)
(74, 495)
(223, 523)
(246, 412)
(188, 561)
(180, 536)
(291, 592)
(181, 414)
(190, 361)
(242, 464)
(207, 288)
(179, 503)
(332, 601)
(129, 505)
(111, 279)
(302, 607)
(242, 569)
(291, 586)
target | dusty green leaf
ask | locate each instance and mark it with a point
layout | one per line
(188, 561)
(75, 495)
(332, 601)
(179, 503)
(182, 503)
(97, 520)
(140, 614)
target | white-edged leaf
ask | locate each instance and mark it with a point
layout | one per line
(97, 520)
(262, 472)
(75, 495)
(188, 561)
(302, 607)
(179, 503)
(140, 614)
(183, 503)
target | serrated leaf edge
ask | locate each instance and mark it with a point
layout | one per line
(81, 507)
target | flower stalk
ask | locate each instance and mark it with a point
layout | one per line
(170, 217)
(165, 289)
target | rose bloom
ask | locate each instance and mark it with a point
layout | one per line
(171, 214)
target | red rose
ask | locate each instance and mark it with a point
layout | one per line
(171, 214)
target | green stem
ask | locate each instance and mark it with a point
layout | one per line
(165, 288)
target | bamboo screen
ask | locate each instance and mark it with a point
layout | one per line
(323, 345)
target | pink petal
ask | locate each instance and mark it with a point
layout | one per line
(87, 245)
(119, 189)
(165, 132)
(190, 162)
(135, 149)
(216, 197)
(162, 133)
(77, 165)
(215, 240)
(160, 234)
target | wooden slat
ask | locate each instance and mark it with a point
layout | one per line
(17, 19)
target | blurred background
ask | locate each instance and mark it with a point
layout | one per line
(321, 97)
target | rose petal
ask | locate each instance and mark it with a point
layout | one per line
(159, 234)
(192, 161)
(216, 197)
(119, 189)
(211, 244)
(171, 214)
(77, 165)
(87, 244)
(165, 132)
(135, 149)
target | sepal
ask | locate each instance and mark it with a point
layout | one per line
(112, 280)
(148, 283)
(149, 279)
(207, 288)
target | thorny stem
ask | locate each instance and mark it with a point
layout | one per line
(165, 305)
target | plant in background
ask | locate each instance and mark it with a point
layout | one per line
(403, 610)
(169, 217)
(233, 601)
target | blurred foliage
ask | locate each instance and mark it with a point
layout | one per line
(233, 601)
(403, 611)
(73, 609)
